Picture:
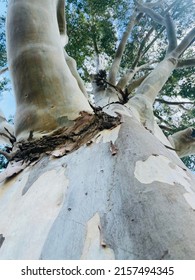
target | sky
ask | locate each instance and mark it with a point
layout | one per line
(7, 100)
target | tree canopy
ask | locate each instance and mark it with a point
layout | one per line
(95, 31)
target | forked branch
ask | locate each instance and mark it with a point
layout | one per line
(165, 21)
(185, 43)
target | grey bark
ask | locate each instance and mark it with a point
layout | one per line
(73, 209)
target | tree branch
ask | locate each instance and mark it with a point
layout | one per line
(184, 142)
(139, 53)
(186, 63)
(173, 102)
(162, 120)
(6, 155)
(3, 70)
(120, 50)
(152, 42)
(185, 43)
(171, 33)
(130, 74)
(151, 13)
(166, 21)
(136, 83)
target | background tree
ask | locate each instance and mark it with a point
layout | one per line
(136, 200)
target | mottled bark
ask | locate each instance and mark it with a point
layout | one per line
(47, 94)
(136, 201)
(104, 185)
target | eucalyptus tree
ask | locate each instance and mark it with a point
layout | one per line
(137, 200)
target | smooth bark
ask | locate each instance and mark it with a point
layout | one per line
(47, 94)
(136, 201)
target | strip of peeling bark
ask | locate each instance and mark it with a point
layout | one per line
(5, 154)
(120, 50)
(6, 130)
(64, 140)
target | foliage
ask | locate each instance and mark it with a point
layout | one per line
(96, 28)
(3, 161)
(3, 56)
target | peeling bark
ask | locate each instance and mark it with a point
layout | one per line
(93, 205)
(64, 140)
(98, 183)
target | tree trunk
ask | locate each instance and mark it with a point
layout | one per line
(48, 95)
(123, 196)
(120, 192)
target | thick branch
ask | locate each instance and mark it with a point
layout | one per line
(156, 79)
(171, 33)
(136, 83)
(120, 50)
(130, 74)
(61, 100)
(164, 21)
(151, 13)
(184, 142)
(186, 63)
(185, 43)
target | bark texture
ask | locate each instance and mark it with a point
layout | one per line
(104, 187)
(48, 95)
(124, 196)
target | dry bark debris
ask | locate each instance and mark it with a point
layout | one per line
(66, 139)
